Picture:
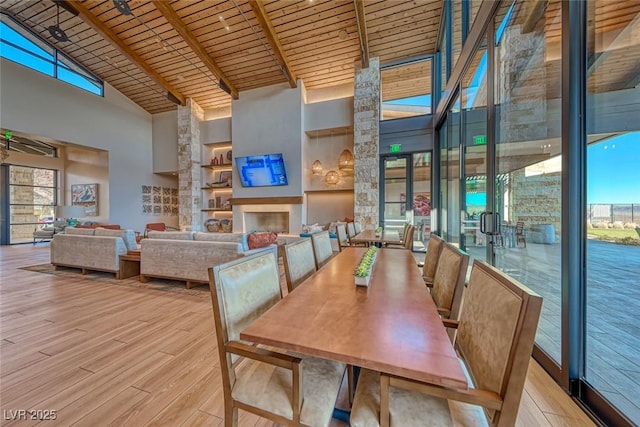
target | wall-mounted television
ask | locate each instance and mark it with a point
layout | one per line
(262, 171)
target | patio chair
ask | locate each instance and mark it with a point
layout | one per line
(495, 338)
(287, 389)
(520, 233)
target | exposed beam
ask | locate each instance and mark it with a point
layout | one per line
(91, 20)
(362, 32)
(170, 15)
(274, 41)
(535, 12)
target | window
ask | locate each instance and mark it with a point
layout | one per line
(406, 90)
(20, 45)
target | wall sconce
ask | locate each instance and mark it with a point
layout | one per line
(332, 178)
(316, 168)
(345, 162)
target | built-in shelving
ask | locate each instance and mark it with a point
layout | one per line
(216, 210)
(214, 173)
(222, 166)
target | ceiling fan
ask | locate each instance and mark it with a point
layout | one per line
(55, 30)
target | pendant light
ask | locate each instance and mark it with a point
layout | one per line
(55, 30)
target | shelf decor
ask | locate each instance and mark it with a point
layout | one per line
(365, 267)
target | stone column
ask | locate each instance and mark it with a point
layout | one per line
(189, 161)
(366, 136)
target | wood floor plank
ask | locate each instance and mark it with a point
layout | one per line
(136, 356)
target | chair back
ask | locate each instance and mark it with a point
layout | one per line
(519, 228)
(351, 230)
(358, 227)
(407, 240)
(431, 258)
(448, 281)
(321, 248)
(343, 239)
(299, 262)
(241, 291)
(495, 336)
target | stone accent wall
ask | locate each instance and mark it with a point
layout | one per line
(537, 199)
(189, 162)
(522, 86)
(366, 136)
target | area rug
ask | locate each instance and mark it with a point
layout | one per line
(165, 285)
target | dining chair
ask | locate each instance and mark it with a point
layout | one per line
(496, 332)
(299, 262)
(431, 259)
(448, 280)
(357, 226)
(520, 233)
(351, 230)
(343, 238)
(287, 389)
(321, 248)
(407, 239)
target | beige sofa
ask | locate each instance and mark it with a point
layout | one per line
(91, 249)
(188, 255)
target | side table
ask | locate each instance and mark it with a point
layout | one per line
(129, 264)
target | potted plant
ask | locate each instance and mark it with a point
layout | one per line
(363, 271)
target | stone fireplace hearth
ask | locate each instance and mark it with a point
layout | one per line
(267, 221)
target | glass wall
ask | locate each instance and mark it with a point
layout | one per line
(613, 205)
(474, 142)
(32, 199)
(454, 212)
(406, 90)
(528, 148)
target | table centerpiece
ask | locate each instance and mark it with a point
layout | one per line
(365, 267)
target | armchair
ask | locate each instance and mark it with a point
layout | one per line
(288, 389)
(46, 232)
(495, 338)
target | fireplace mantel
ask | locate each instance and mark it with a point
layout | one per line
(266, 200)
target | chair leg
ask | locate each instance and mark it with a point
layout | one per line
(230, 415)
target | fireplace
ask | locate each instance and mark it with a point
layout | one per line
(267, 221)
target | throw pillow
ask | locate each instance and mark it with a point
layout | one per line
(260, 240)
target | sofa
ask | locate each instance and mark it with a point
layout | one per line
(187, 256)
(91, 248)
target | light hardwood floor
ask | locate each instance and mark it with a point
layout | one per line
(102, 354)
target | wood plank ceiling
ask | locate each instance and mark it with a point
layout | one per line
(318, 40)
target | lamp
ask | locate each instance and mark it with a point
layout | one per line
(70, 213)
(345, 162)
(332, 178)
(316, 168)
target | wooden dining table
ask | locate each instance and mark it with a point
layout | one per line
(369, 236)
(391, 326)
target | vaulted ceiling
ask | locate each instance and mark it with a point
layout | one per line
(212, 50)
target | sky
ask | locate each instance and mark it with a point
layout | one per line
(613, 170)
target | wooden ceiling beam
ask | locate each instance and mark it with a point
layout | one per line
(362, 32)
(170, 15)
(274, 41)
(91, 20)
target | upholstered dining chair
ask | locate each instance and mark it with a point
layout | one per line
(321, 248)
(407, 239)
(495, 338)
(448, 280)
(343, 238)
(299, 262)
(357, 226)
(431, 259)
(351, 230)
(288, 389)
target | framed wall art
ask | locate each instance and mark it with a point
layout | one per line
(85, 195)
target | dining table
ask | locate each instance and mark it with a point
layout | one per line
(370, 236)
(390, 326)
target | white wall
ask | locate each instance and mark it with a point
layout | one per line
(269, 120)
(215, 131)
(84, 166)
(36, 104)
(165, 142)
